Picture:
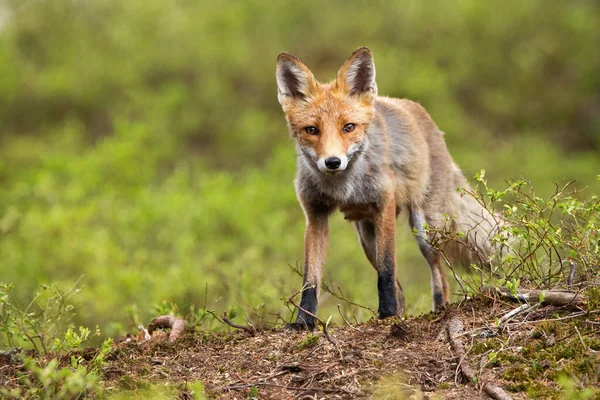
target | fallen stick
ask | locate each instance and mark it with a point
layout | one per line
(177, 326)
(454, 329)
(558, 298)
(514, 312)
(250, 328)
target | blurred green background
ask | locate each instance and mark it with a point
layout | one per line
(142, 147)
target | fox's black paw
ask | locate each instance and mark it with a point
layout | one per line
(440, 308)
(302, 324)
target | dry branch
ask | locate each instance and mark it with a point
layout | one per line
(455, 329)
(512, 313)
(177, 326)
(557, 298)
(250, 328)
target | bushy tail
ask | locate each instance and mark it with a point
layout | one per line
(473, 234)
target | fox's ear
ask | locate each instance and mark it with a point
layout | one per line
(357, 75)
(294, 79)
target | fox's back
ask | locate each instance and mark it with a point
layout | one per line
(418, 156)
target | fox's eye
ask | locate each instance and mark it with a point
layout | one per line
(311, 130)
(348, 128)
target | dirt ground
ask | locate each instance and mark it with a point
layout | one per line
(381, 359)
(390, 359)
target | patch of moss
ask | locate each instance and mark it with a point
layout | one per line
(593, 343)
(537, 390)
(128, 383)
(517, 386)
(592, 294)
(585, 366)
(517, 374)
(546, 328)
(486, 345)
(309, 341)
(505, 358)
(532, 348)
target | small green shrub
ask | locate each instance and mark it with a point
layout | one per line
(45, 325)
(310, 340)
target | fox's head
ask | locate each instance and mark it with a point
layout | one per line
(328, 120)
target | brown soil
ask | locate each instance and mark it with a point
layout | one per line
(390, 359)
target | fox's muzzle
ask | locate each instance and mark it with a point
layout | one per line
(332, 164)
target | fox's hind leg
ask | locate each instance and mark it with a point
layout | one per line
(391, 297)
(439, 280)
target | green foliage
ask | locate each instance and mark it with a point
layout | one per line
(253, 393)
(143, 147)
(541, 242)
(310, 340)
(148, 391)
(45, 324)
(49, 381)
(572, 392)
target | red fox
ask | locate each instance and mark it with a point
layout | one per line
(372, 157)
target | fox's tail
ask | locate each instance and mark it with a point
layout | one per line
(475, 233)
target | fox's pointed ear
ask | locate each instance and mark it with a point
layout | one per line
(294, 79)
(357, 75)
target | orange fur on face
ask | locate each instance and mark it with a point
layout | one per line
(329, 108)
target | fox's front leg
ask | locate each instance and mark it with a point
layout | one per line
(315, 251)
(391, 298)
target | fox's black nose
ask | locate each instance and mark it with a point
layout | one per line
(333, 163)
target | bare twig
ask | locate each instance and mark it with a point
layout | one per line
(514, 312)
(339, 307)
(454, 329)
(547, 297)
(250, 328)
(453, 272)
(570, 316)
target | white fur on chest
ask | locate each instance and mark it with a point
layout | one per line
(351, 187)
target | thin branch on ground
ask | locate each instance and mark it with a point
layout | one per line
(570, 316)
(545, 297)
(514, 312)
(339, 307)
(453, 272)
(454, 329)
(250, 329)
